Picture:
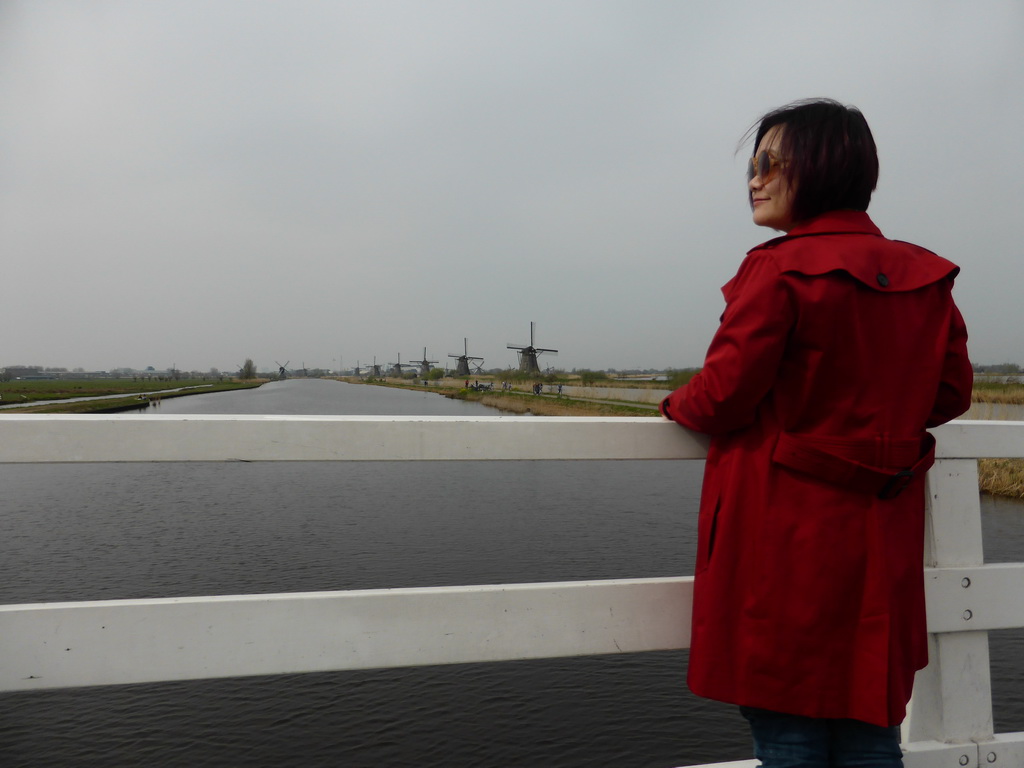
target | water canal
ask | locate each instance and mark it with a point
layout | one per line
(75, 532)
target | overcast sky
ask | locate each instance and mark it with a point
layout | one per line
(194, 182)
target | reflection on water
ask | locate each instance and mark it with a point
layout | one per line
(1002, 528)
(113, 531)
(325, 397)
(141, 530)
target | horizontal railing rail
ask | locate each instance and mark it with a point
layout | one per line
(85, 643)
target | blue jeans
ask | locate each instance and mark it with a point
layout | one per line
(793, 741)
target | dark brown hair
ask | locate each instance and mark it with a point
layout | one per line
(831, 157)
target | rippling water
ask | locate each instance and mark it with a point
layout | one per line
(71, 532)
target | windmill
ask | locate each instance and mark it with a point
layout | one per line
(424, 364)
(282, 370)
(396, 368)
(375, 370)
(356, 372)
(462, 369)
(528, 355)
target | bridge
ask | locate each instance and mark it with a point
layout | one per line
(114, 642)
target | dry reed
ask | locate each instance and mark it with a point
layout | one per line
(1012, 394)
(1002, 477)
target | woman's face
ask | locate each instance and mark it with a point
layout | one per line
(772, 197)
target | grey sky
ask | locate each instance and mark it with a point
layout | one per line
(197, 182)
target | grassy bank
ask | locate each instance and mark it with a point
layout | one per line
(519, 402)
(1002, 477)
(28, 392)
(994, 392)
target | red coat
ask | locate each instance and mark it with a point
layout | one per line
(836, 349)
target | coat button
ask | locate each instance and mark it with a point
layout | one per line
(882, 280)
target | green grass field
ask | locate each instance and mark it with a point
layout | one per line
(28, 393)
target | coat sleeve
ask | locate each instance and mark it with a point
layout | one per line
(954, 395)
(744, 356)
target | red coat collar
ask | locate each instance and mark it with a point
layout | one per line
(823, 244)
(831, 223)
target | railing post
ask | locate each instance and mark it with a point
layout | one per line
(952, 700)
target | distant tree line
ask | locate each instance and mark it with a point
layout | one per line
(1003, 369)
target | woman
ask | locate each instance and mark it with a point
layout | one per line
(836, 350)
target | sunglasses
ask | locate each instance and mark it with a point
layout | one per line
(763, 164)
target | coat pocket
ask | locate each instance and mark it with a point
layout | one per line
(707, 529)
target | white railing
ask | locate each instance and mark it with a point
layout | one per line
(53, 645)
